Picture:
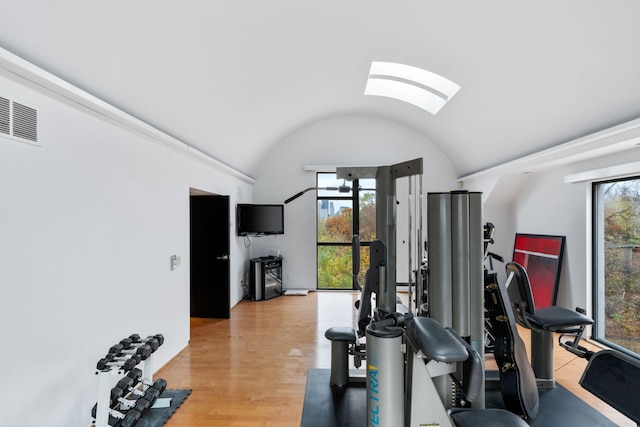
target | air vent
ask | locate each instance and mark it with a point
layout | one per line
(18, 120)
(4, 116)
(25, 122)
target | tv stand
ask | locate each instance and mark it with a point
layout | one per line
(265, 278)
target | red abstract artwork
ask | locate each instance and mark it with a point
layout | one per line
(541, 257)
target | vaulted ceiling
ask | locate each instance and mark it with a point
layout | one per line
(232, 78)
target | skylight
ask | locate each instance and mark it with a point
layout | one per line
(416, 86)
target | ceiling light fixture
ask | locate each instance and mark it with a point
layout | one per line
(416, 86)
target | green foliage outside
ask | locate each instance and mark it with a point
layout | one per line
(622, 262)
(334, 267)
(335, 262)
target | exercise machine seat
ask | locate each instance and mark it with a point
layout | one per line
(557, 318)
(544, 323)
(338, 333)
(554, 318)
(435, 342)
(486, 418)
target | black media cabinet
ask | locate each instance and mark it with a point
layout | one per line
(265, 278)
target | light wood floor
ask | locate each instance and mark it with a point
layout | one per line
(251, 370)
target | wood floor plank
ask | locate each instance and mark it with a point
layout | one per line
(251, 369)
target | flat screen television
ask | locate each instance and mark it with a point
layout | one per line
(259, 219)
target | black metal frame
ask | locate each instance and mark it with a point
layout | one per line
(355, 218)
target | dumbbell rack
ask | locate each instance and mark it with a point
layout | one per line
(105, 381)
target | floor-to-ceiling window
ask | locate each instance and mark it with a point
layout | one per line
(616, 225)
(341, 213)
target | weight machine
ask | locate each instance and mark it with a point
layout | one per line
(381, 277)
(425, 363)
(411, 356)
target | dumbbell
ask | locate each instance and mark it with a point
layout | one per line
(116, 392)
(150, 394)
(122, 419)
(113, 361)
(128, 419)
(154, 341)
(143, 350)
(111, 357)
(143, 400)
(135, 376)
(141, 405)
(134, 341)
(158, 337)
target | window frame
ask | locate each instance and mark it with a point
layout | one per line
(598, 268)
(355, 225)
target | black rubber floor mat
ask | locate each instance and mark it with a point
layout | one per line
(157, 417)
(327, 407)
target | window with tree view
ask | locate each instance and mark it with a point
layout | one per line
(617, 263)
(338, 221)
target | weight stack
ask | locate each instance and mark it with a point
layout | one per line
(455, 282)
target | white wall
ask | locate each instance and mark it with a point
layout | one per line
(88, 222)
(548, 206)
(541, 203)
(343, 141)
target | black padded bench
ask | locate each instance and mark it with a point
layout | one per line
(614, 377)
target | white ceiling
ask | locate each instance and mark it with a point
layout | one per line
(233, 77)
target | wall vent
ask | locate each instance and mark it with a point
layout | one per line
(25, 122)
(18, 120)
(4, 116)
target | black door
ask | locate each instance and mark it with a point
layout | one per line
(210, 256)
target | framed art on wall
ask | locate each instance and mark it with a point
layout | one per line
(541, 257)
